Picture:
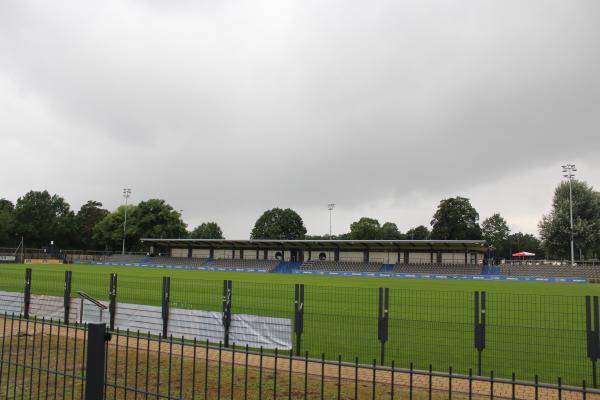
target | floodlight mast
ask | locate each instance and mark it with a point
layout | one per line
(330, 207)
(569, 173)
(126, 194)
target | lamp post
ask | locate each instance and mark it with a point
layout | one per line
(126, 194)
(569, 172)
(330, 207)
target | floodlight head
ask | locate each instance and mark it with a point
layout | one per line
(330, 206)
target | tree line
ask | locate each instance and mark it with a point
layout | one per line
(40, 218)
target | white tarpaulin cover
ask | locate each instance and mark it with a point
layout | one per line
(253, 330)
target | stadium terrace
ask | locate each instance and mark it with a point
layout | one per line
(357, 251)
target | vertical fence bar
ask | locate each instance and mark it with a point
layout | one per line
(166, 295)
(67, 295)
(592, 337)
(298, 315)
(226, 311)
(383, 320)
(27, 293)
(112, 294)
(479, 327)
(94, 384)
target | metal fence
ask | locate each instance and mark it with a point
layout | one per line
(555, 336)
(44, 359)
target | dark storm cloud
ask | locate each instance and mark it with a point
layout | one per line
(228, 108)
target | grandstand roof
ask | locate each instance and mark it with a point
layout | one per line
(477, 245)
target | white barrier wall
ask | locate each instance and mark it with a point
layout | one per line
(453, 258)
(384, 257)
(245, 329)
(352, 256)
(179, 252)
(420, 258)
(200, 253)
(11, 302)
(250, 254)
(329, 255)
(222, 254)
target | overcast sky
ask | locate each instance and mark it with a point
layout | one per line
(227, 108)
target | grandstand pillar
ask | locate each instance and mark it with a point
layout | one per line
(431, 257)
(211, 253)
(241, 254)
(366, 256)
(466, 256)
(336, 255)
(406, 256)
(189, 252)
(310, 254)
(265, 254)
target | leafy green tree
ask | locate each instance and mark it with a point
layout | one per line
(523, 242)
(42, 218)
(389, 231)
(89, 215)
(495, 231)
(366, 229)
(7, 223)
(555, 229)
(108, 233)
(455, 219)
(153, 218)
(279, 223)
(418, 233)
(207, 230)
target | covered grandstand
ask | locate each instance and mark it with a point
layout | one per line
(320, 255)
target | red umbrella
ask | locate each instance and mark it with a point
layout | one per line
(523, 254)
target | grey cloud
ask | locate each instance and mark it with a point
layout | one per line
(228, 108)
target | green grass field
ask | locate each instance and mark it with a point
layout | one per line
(532, 328)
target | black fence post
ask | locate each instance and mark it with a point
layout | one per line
(592, 325)
(480, 309)
(112, 306)
(27, 293)
(67, 295)
(383, 320)
(166, 296)
(94, 368)
(299, 315)
(226, 311)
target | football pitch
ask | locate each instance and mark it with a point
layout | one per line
(532, 328)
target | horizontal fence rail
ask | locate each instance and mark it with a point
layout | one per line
(472, 331)
(41, 359)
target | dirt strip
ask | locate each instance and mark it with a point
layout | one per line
(420, 382)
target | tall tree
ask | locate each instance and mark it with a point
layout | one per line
(88, 216)
(555, 229)
(365, 229)
(455, 219)
(153, 218)
(390, 231)
(418, 233)
(7, 222)
(156, 218)
(108, 233)
(42, 218)
(495, 231)
(207, 230)
(279, 223)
